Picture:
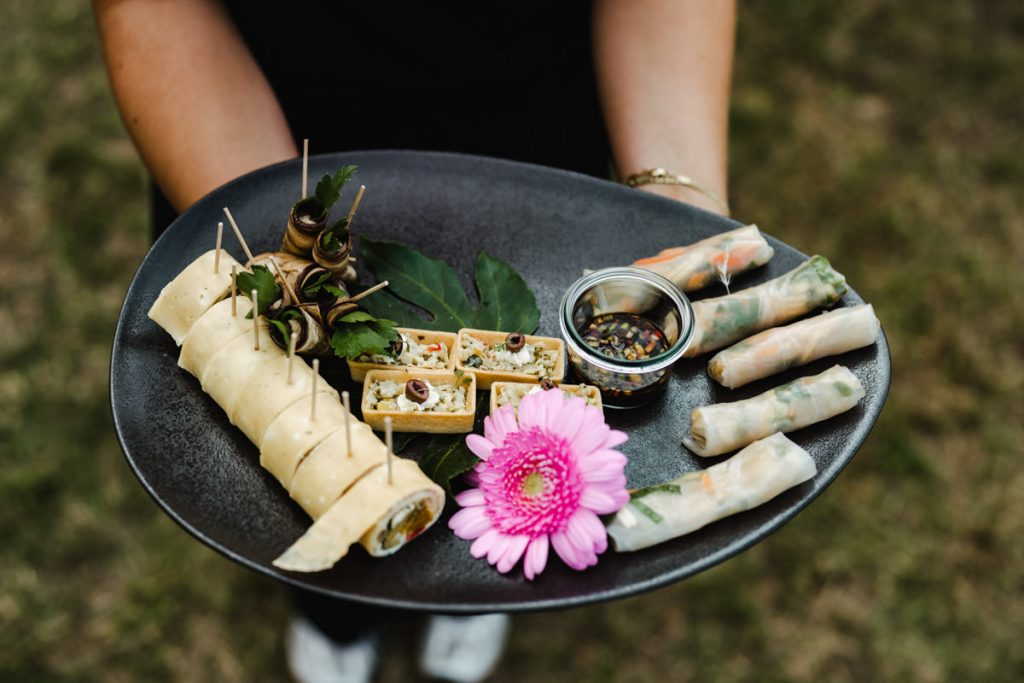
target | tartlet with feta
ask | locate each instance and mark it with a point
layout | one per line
(436, 401)
(424, 349)
(509, 357)
(511, 393)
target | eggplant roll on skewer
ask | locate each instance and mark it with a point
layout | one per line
(306, 221)
(308, 280)
(332, 250)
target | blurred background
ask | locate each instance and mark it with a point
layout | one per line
(885, 135)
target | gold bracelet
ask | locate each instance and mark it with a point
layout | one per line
(659, 176)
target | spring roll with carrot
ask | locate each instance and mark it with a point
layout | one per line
(726, 319)
(779, 348)
(724, 427)
(718, 257)
(752, 477)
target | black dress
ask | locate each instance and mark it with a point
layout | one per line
(498, 78)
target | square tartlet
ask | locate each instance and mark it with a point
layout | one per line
(422, 338)
(590, 394)
(432, 421)
(486, 377)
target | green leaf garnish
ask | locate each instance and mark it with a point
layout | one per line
(328, 190)
(647, 511)
(506, 302)
(265, 284)
(447, 457)
(359, 333)
(330, 241)
(324, 283)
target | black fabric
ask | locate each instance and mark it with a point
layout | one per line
(511, 79)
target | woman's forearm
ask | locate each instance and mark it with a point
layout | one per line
(664, 69)
(193, 99)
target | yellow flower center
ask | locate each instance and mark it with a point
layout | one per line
(533, 484)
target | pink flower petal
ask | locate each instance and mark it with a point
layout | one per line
(516, 547)
(481, 447)
(536, 557)
(592, 527)
(498, 548)
(498, 426)
(483, 545)
(568, 421)
(592, 433)
(469, 523)
(614, 438)
(529, 411)
(599, 501)
(567, 551)
(600, 461)
(470, 497)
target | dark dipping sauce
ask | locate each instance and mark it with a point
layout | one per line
(629, 337)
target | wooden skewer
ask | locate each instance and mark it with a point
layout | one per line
(280, 276)
(234, 290)
(305, 166)
(312, 400)
(292, 338)
(216, 253)
(348, 427)
(389, 443)
(255, 320)
(376, 288)
(238, 234)
(355, 205)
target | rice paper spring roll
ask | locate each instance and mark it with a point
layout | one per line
(724, 427)
(752, 477)
(382, 516)
(723, 320)
(779, 348)
(192, 292)
(700, 264)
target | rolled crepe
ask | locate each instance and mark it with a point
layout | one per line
(777, 349)
(213, 331)
(267, 393)
(702, 263)
(191, 293)
(723, 320)
(229, 369)
(381, 516)
(725, 427)
(328, 471)
(295, 432)
(752, 477)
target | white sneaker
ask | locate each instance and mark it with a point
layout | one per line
(315, 658)
(464, 649)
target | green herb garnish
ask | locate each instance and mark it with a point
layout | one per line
(324, 283)
(665, 488)
(359, 333)
(843, 389)
(330, 241)
(328, 190)
(265, 284)
(647, 511)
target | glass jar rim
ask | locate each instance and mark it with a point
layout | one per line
(666, 287)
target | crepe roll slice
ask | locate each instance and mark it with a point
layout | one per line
(724, 427)
(227, 372)
(424, 349)
(721, 256)
(511, 393)
(268, 392)
(720, 321)
(213, 331)
(434, 401)
(381, 515)
(191, 293)
(752, 477)
(296, 431)
(509, 357)
(777, 349)
(329, 469)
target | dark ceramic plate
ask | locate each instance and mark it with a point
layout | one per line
(548, 224)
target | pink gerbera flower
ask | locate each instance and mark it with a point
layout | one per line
(541, 482)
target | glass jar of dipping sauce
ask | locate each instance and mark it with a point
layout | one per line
(624, 328)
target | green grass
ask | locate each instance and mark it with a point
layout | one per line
(883, 135)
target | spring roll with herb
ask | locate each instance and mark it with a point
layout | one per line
(723, 320)
(724, 427)
(716, 258)
(381, 515)
(752, 477)
(192, 293)
(779, 348)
